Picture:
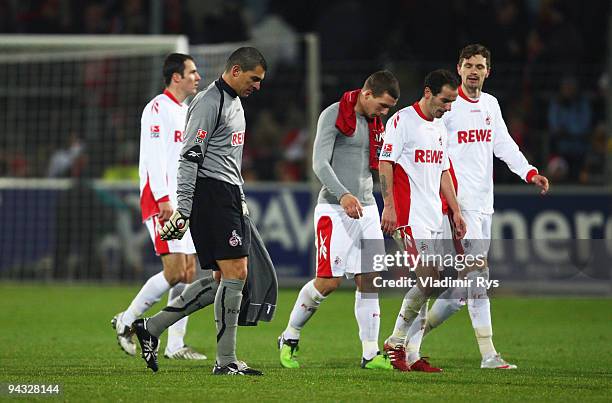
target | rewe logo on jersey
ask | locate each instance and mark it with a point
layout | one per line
(474, 136)
(237, 139)
(428, 156)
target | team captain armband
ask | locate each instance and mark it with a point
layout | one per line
(194, 154)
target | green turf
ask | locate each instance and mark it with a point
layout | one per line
(61, 334)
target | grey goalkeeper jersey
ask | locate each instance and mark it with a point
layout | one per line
(342, 163)
(211, 152)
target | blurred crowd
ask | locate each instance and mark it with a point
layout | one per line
(548, 71)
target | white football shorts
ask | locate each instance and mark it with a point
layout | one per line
(339, 240)
(477, 239)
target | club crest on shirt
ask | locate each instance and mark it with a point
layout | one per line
(488, 119)
(200, 136)
(440, 140)
(235, 239)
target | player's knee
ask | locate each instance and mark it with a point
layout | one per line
(326, 285)
(365, 283)
(240, 273)
(189, 275)
(174, 277)
(173, 274)
(174, 269)
(190, 270)
(235, 269)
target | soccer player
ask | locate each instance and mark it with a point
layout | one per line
(349, 134)
(414, 171)
(210, 197)
(477, 132)
(161, 141)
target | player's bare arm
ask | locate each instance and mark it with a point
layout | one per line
(448, 191)
(389, 216)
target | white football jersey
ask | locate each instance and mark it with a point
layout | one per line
(161, 141)
(418, 147)
(476, 132)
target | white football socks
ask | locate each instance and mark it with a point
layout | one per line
(149, 294)
(414, 336)
(447, 303)
(411, 305)
(306, 305)
(176, 332)
(367, 313)
(479, 308)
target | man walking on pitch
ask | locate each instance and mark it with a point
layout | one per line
(414, 171)
(348, 139)
(477, 132)
(211, 204)
(161, 141)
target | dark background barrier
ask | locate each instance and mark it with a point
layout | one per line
(92, 231)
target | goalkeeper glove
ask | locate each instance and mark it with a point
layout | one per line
(175, 227)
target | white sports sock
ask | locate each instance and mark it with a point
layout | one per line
(414, 336)
(149, 294)
(306, 305)
(479, 308)
(447, 303)
(411, 305)
(367, 313)
(176, 332)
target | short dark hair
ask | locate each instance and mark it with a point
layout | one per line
(383, 81)
(473, 50)
(174, 63)
(247, 58)
(438, 79)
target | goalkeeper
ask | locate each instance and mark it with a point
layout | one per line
(211, 203)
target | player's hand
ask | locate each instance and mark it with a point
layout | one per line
(541, 181)
(388, 222)
(175, 227)
(351, 206)
(165, 210)
(459, 224)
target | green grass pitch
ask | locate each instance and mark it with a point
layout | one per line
(53, 334)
